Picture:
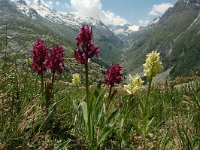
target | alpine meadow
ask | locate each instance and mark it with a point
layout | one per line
(73, 81)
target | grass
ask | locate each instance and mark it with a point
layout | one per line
(172, 122)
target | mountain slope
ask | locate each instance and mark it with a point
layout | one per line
(68, 25)
(176, 36)
(18, 32)
(22, 30)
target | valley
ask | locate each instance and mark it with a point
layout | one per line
(69, 81)
(166, 35)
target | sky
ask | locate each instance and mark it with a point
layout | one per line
(117, 12)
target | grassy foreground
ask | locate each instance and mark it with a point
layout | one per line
(170, 120)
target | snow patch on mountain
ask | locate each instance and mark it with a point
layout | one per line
(132, 28)
(155, 20)
(124, 30)
(24, 8)
(38, 8)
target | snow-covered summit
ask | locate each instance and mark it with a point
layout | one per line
(38, 8)
(124, 30)
(25, 8)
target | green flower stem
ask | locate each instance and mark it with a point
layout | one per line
(110, 91)
(109, 99)
(87, 83)
(52, 84)
(2, 114)
(42, 90)
(149, 87)
(127, 111)
(52, 81)
(148, 92)
(49, 92)
(146, 109)
(90, 130)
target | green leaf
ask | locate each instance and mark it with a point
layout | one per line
(47, 119)
(122, 126)
(141, 105)
(97, 90)
(98, 109)
(85, 111)
(99, 117)
(112, 117)
(100, 99)
(64, 145)
(148, 124)
(105, 135)
(122, 119)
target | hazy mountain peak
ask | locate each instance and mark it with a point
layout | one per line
(37, 2)
(21, 1)
(37, 7)
(189, 2)
(176, 36)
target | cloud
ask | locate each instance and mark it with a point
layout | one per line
(144, 22)
(133, 28)
(159, 9)
(57, 3)
(67, 5)
(50, 3)
(90, 8)
(93, 8)
(110, 18)
(28, 1)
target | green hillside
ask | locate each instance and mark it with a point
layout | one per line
(18, 33)
(176, 36)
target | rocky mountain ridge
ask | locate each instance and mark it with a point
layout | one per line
(66, 25)
(176, 36)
